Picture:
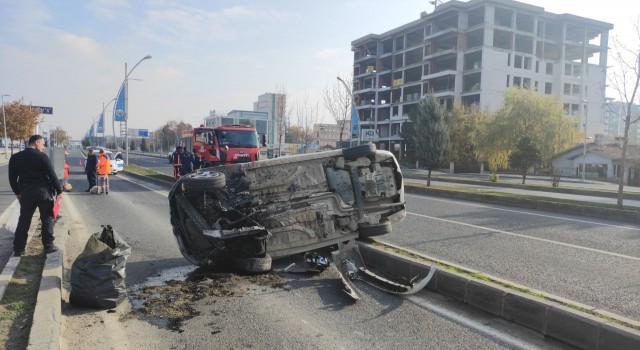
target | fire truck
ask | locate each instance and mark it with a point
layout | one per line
(224, 144)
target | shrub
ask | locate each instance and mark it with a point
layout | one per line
(493, 177)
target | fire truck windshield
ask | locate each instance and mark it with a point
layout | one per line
(237, 138)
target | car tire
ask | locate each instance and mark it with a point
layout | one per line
(359, 151)
(380, 229)
(252, 265)
(204, 181)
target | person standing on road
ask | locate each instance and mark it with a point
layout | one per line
(104, 169)
(36, 185)
(187, 163)
(176, 159)
(90, 169)
(196, 160)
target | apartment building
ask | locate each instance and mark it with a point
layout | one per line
(614, 115)
(328, 135)
(270, 103)
(468, 53)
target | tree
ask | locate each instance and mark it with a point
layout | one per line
(464, 123)
(294, 134)
(21, 119)
(132, 146)
(432, 134)
(524, 156)
(282, 114)
(525, 113)
(625, 79)
(143, 145)
(59, 136)
(338, 101)
(307, 116)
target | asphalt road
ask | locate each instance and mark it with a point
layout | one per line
(590, 261)
(310, 313)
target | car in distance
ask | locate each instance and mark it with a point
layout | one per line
(249, 213)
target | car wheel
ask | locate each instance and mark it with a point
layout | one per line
(359, 151)
(252, 265)
(204, 181)
(375, 230)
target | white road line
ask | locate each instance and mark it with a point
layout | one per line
(527, 213)
(529, 237)
(162, 193)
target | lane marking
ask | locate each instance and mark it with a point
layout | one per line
(527, 213)
(529, 237)
(162, 193)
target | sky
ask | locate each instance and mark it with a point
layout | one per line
(206, 54)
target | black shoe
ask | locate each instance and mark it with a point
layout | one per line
(15, 253)
(51, 249)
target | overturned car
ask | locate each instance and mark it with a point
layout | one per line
(249, 213)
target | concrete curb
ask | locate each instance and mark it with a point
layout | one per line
(552, 319)
(627, 216)
(45, 328)
(165, 181)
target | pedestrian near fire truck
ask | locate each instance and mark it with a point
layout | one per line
(35, 184)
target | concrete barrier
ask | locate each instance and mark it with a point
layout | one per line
(548, 317)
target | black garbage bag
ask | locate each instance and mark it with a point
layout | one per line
(97, 275)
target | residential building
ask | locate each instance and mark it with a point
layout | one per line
(271, 103)
(468, 53)
(614, 115)
(328, 135)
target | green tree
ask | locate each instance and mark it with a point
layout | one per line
(525, 113)
(432, 134)
(143, 145)
(524, 156)
(132, 145)
(464, 123)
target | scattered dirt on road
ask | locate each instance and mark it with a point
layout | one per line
(170, 304)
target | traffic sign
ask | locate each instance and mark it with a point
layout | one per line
(43, 110)
(143, 132)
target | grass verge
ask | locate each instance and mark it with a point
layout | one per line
(19, 300)
(521, 196)
(133, 168)
(485, 278)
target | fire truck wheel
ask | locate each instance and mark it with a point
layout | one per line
(203, 181)
(359, 151)
(375, 230)
(252, 265)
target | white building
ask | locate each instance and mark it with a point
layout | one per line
(270, 103)
(469, 53)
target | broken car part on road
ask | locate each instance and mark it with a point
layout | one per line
(249, 213)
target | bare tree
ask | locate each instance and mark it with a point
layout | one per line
(283, 113)
(625, 79)
(307, 115)
(337, 100)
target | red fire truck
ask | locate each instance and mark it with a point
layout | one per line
(224, 144)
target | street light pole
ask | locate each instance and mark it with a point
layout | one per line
(353, 106)
(584, 146)
(126, 106)
(4, 122)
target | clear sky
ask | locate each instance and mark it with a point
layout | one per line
(207, 54)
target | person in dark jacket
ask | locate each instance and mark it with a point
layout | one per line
(187, 163)
(90, 169)
(196, 160)
(176, 160)
(35, 184)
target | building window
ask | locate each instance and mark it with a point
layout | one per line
(548, 88)
(549, 68)
(517, 61)
(537, 66)
(517, 81)
(508, 60)
(527, 63)
(508, 78)
(567, 89)
(526, 83)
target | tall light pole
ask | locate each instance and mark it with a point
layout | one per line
(126, 106)
(353, 107)
(4, 122)
(584, 146)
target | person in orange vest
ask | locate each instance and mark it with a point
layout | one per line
(104, 169)
(176, 159)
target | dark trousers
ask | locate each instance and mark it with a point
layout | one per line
(91, 177)
(32, 198)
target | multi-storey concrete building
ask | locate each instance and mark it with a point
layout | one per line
(271, 104)
(614, 115)
(469, 53)
(328, 135)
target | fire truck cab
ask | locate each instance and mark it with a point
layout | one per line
(224, 144)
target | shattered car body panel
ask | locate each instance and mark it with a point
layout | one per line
(284, 206)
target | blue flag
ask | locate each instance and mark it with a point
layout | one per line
(119, 109)
(355, 123)
(101, 124)
(91, 134)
